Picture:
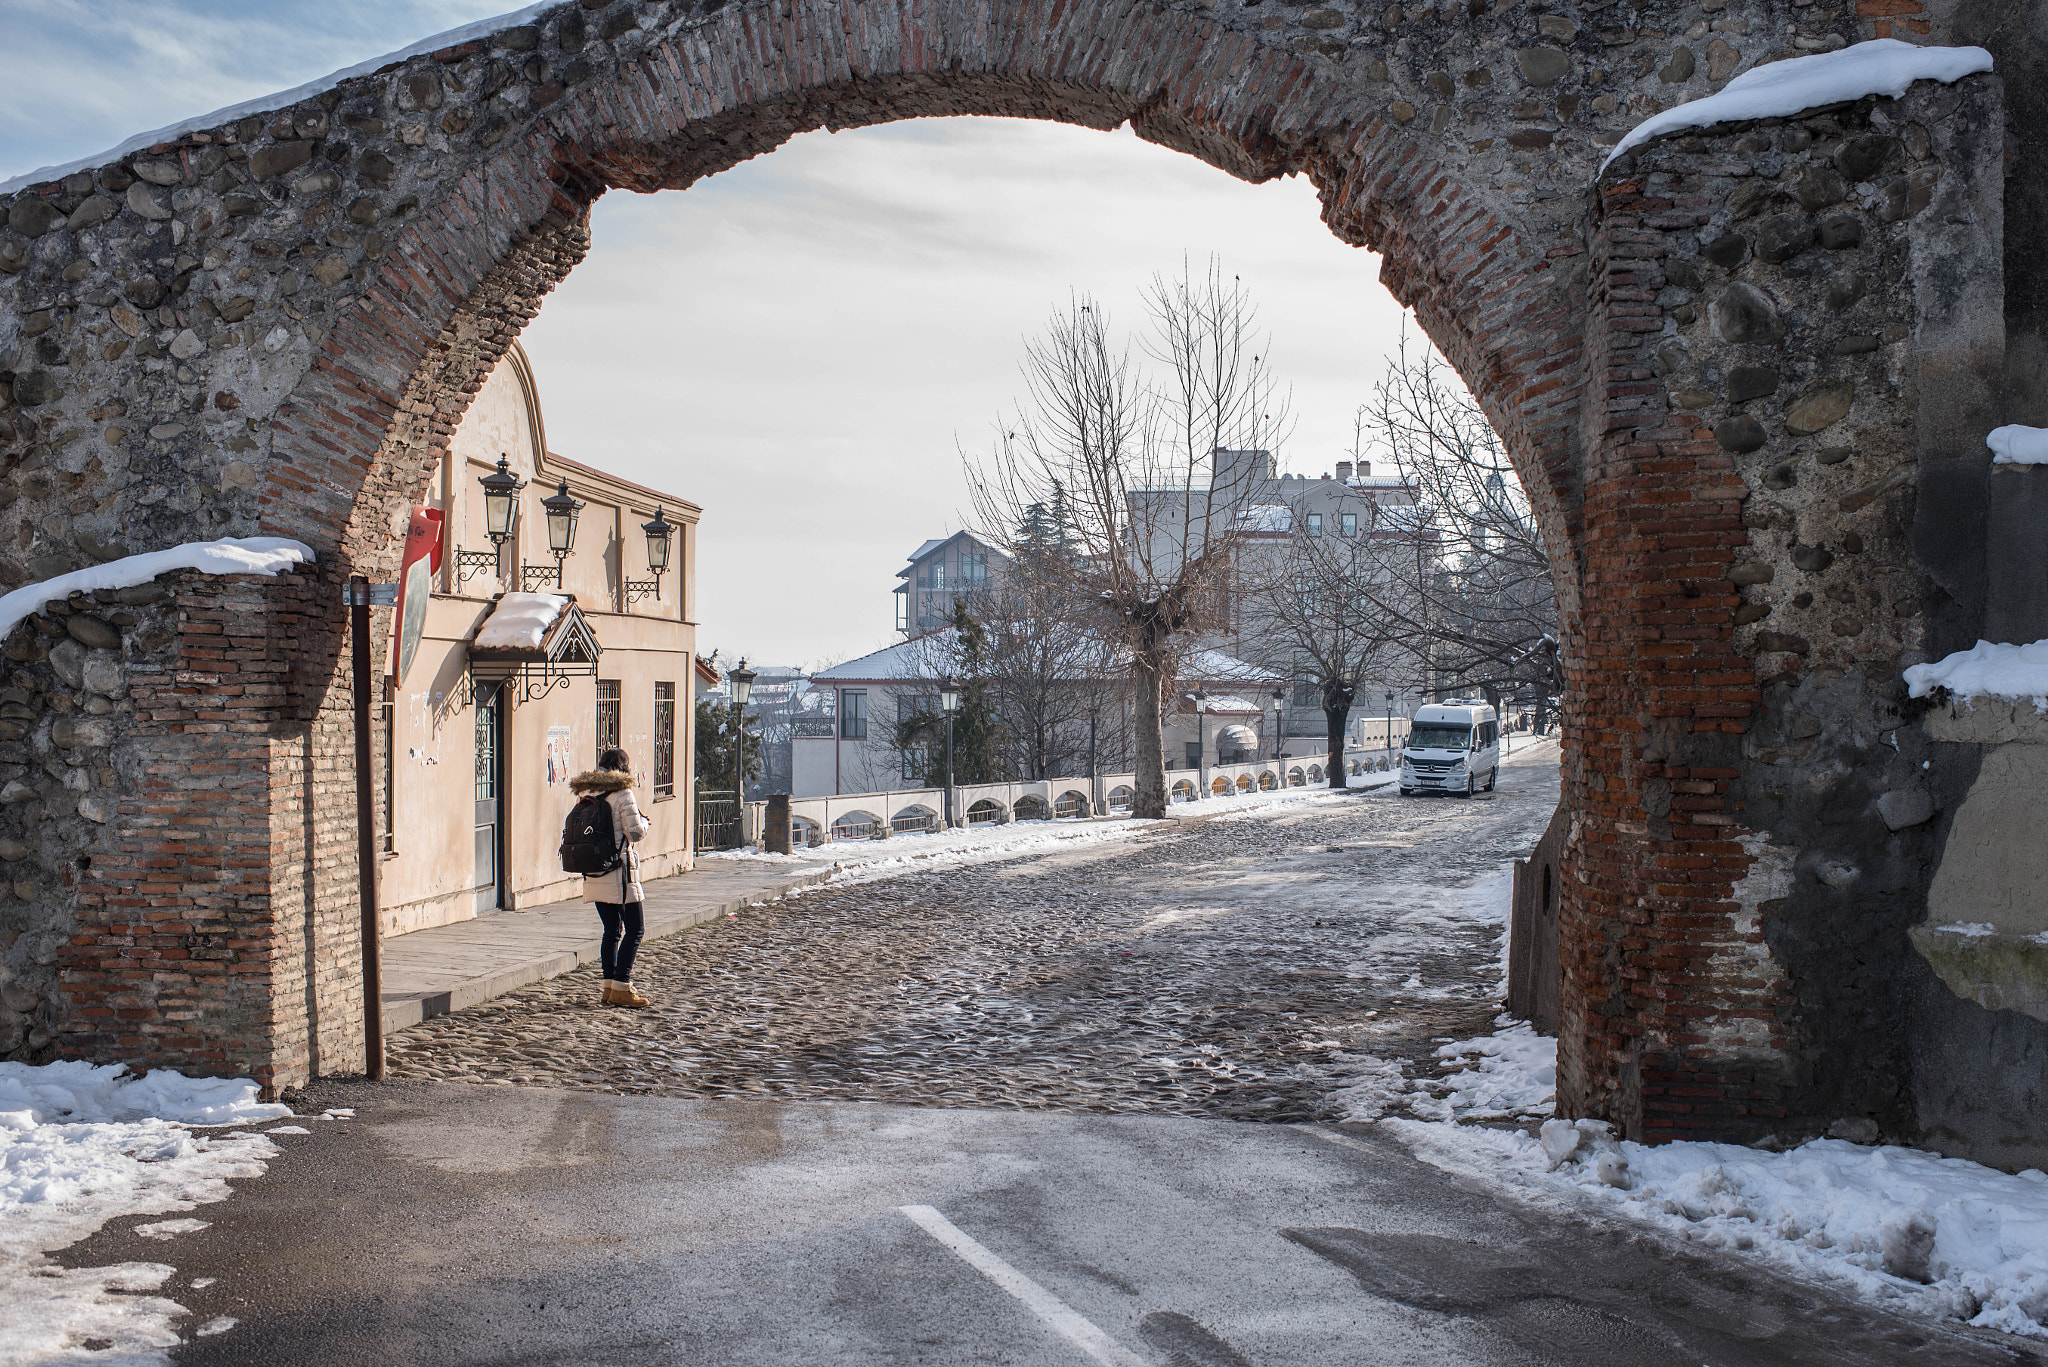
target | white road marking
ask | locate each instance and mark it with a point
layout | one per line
(1344, 1139)
(1061, 1317)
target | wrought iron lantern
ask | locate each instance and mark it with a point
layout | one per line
(501, 504)
(660, 537)
(561, 508)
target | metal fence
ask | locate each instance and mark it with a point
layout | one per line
(718, 822)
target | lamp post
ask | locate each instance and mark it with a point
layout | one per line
(1279, 723)
(1202, 739)
(501, 501)
(1094, 775)
(660, 533)
(1390, 724)
(742, 689)
(562, 508)
(949, 703)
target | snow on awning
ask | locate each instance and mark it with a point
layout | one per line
(541, 639)
(1882, 66)
(229, 555)
(519, 621)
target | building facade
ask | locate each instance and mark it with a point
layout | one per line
(940, 571)
(479, 746)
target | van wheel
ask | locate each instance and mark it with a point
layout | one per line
(1407, 792)
(1492, 777)
(1469, 786)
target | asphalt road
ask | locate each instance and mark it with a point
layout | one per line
(462, 1224)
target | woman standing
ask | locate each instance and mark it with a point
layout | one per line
(618, 894)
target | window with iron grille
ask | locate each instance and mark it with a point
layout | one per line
(664, 741)
(607, 715)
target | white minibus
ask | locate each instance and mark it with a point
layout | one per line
(1453, 747)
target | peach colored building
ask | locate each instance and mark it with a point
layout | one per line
(479, 746)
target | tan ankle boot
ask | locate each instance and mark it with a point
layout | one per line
(624, 995)
(611, 992)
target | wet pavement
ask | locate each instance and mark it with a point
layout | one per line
(1215, 969)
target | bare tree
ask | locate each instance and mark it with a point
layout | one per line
(1309, 600)
(1470, 588)
(1128, 447)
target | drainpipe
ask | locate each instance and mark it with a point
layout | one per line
(366, 831)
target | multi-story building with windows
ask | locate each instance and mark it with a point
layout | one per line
(940, 571)
(506, 695)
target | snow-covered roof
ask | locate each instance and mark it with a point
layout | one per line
(1214, 664)
(229, 555)
(1882, 66)
(930, 546)
(1266, 517)
(905, 660)
(519, 621)
(282, 99)
(1229, 704)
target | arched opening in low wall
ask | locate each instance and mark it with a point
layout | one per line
(1031, 808)
(856, 826)
(1072, 803)
(1183, 791)
(1121, 797)
(986, 813)
(914, 820)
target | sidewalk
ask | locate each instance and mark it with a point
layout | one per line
(432, 972)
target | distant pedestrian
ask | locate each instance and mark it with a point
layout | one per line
(617, 890)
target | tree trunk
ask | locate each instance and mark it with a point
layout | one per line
(1333, 722)
(1148, 678)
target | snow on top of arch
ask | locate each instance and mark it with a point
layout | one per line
(1882, 66)
(264, 104)
(229, 555)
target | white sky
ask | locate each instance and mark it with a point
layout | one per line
(804, 344)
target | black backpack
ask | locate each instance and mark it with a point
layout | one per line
(589, 845)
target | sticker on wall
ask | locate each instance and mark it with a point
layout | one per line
(558, 755)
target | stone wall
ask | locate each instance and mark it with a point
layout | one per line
(1745, 375)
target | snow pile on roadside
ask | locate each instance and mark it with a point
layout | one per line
(519, 621)
(1933, 1235)
(1513, 1073)
(229, 555)
(1986, 669)
(1881, 66)
(81, 1145)
(2016, 445)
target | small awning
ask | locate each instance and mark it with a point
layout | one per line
(541, 640)
(1237, 738)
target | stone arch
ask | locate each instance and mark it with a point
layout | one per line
(1315, 773)
(1121, 797)
(1030, 807)
(1183, 791)
(986, 812)
(1267, 783)
(1244, 783)
(272, 324)
(914, 819)
(1072, 803)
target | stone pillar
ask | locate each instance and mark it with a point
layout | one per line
(775, 833)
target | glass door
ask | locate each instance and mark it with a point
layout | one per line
(488, 789)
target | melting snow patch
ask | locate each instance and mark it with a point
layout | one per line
(171, 1229)
(219, 1324)
(230, 555)
(2016, 445)
(287, 1129)
(1986, 669)
(1882, 66)
(1939, 1236)
(81, 1145)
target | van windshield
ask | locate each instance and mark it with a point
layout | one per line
(1438, 736)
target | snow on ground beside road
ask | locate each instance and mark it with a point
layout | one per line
(81, 1145)
(865, 859)
(1910, 1230)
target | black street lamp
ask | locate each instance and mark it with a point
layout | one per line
(1201, 731)
(742, 689)
(949, 703)
(1390, 723)
(562, 508)
(660, 533)
(1094, 774)
(501, 502)
(1279, 723)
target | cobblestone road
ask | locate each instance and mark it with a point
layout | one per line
(1216, 969)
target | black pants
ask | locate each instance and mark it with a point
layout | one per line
(622, 929)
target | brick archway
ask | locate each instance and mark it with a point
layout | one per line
(273, 325)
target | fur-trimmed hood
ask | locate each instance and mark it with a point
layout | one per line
(600, 781)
